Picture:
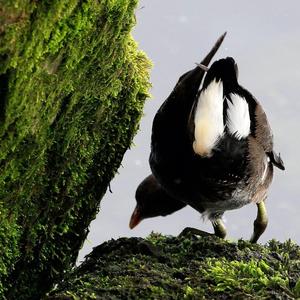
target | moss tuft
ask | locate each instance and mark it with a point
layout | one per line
(249, 277)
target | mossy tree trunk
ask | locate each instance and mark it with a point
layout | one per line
(72, 89)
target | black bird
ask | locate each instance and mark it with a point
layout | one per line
(211, 149)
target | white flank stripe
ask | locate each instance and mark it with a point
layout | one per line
(238, 117)
(266, 166)
(208, 118)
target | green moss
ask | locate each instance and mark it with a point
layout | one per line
(249, 277)
(187, 267)
(297, 288)
(9, 238)
(72, 89)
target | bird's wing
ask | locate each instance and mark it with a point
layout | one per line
(262, 132)
(261, 129)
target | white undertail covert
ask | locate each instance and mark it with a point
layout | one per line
(238, 117)
(209, 125)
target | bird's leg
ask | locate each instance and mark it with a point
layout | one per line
(260, 222)
(219, 228)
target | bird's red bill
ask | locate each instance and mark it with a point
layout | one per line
(135, 218)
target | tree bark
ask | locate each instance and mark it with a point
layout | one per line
(72, 89)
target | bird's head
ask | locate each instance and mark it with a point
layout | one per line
(152, 201)
(148, 203)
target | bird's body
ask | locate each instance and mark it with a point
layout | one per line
(214, 162)
(212, 148)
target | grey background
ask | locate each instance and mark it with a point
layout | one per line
(264, 39)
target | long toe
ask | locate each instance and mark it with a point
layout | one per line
(194, 231)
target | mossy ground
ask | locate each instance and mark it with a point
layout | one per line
(72, 89)
(187, 267)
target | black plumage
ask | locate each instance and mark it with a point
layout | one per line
(211, 161)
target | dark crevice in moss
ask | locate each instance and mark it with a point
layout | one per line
(61, 112)
(4, 79)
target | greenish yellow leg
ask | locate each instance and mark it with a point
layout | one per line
(219, 228)
(260, 223)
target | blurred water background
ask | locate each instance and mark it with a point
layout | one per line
(264, 39)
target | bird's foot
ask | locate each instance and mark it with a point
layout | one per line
(194, 231)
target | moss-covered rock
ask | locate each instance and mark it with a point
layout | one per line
(72, 89)
(187, 267)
